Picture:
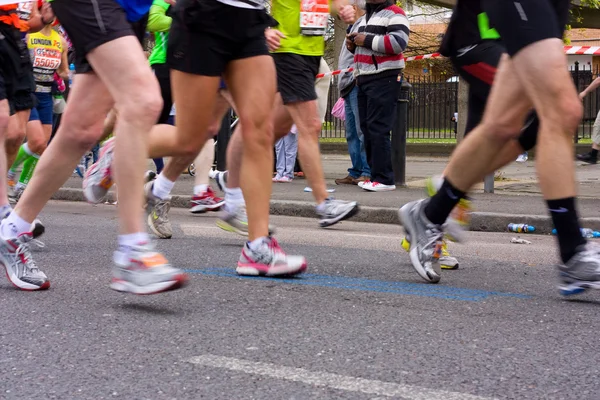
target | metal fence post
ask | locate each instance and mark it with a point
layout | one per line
(399, 135)
(222, 142)
(488, 183)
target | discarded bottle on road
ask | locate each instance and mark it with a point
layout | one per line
(585, 232)
(521, 228)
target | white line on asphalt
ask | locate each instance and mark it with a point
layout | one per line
(373, 236)
(333, 381)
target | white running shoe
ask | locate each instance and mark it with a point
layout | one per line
(98, 179)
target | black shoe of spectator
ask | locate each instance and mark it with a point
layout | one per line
(588, 158)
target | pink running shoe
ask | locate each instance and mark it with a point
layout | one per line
(207, 201)
(269, 260)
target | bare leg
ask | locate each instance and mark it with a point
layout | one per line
(80, 128)
(17, 130)
(251, 91)
(4, 120)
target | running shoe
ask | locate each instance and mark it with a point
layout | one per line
(334, 211)
(207, 201)
(236, 221)
(11, 176)
(21, 269)
(446, 260)
(377, 187)
(269, 260)
(145, 272)
(523, 157)
(98, 179)
(361, 184)
(221, 178)
(582, 271)
(426, 240)
(149, 176)
(459, 219)
(15, 194)
(158, 213)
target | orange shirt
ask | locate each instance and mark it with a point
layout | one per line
(8, 15)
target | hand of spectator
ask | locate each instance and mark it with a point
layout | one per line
(358, 38)
(350, 43)
(273, 37)
(582, 95)
(347, 14)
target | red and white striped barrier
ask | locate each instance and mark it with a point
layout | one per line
(569, 50)
(582, 50)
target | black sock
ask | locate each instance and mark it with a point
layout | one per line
(442, 203)
(566, 222)
(594, 153)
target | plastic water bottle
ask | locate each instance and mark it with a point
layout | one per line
(521, 228)
(71, 74)
(585, 232)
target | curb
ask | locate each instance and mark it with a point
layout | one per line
(481, 221)
(428, 149)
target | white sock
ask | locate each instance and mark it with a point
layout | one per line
(126, 242)
(13, 226)
(257, 243)
(5, 210)
(233, 199)
(199, 189)
(234, 195)
(321, 206)
(28, 150)
(162, 187)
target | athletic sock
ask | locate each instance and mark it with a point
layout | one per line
(126, 242)
(233, 199)
(565, 219)
(199, 189)
(257, 243)
(442, 203)
(28, 168)
(162, 187)
(13, 226)
(5, 210)
(594, 153)
(22, 155)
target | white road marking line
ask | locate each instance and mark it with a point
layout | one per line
(373, 236)
(333, 381)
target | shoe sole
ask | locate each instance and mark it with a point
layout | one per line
(150, 223)
(250, 270)
(324, 223)
(21, 285)
(230, 228)
(406, 246)
(577, 287)
(178, 282)
(414, 258)
(201, 208)
(370, 189)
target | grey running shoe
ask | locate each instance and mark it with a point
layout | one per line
(582, 271)
(426, 240)
(236, 221)
(98, 178)
(269, 260)
(336, 211)
(158, 213)
(21, 270)
(145, 272)
(15, 194)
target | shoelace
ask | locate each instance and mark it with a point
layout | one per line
(163, 207)
(23, 250)
(434, 235)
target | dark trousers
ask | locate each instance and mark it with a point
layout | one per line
(377, 102)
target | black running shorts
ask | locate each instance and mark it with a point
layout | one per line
(16, 79)
(477, 65)
(206, 35)
(524, 22)
(296, 75)
(90, 24)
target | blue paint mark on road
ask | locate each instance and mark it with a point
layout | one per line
(370, 285)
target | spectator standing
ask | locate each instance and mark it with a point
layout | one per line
(360, 171)
(378, 59)
(592, 156)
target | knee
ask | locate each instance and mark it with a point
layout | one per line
(312, 129)
(502, 129)
(256, 131)
(80, 132)
(570, 113)
(141, 104)
(37, 144)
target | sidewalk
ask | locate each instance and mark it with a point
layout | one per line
(517, 197)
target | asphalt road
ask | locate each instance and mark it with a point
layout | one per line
(360, 325)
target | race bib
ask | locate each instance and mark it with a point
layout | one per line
(314, 15)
